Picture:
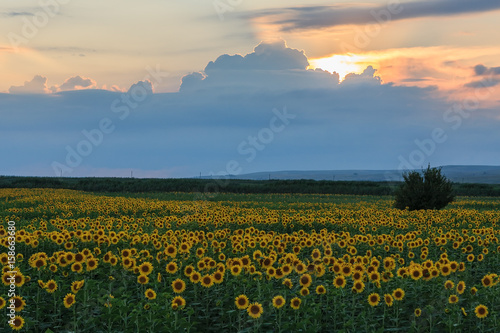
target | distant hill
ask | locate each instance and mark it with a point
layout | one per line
(480, 174)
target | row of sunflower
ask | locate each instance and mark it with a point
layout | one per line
(333, 262)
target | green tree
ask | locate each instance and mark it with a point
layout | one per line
(429, 190)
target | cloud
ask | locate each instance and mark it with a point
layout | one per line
(266, 56)
(367, 77)
(144, 87)
(271, 66)
(76, 83)
(483, 70)
(490, 77)
(316, 17)
(483, 83)
(38, 85)
(15, 14)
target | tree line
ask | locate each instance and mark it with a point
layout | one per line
(137, 185)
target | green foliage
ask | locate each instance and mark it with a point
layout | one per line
(429, 190)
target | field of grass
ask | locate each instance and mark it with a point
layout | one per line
(167, 262)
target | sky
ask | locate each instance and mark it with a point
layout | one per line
(164, 88)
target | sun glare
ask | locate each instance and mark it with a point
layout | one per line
(342, 64)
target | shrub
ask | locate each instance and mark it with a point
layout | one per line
(429, 190)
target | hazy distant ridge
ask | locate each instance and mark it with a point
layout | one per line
(456, 173)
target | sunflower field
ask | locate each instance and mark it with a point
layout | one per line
(88, 262)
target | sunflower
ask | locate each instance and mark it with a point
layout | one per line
(218, 277)
(188, 270)
(178, 286)
(461, 287)
(357, 275)
(113, 260)
(19, 303)
(449, 284)
(69, 300)
(51, 286)
(286, 269)
(201, 265)
(402, 272)
(271, 271)
(79, 257)
(418, 312)
(453, 299)
(142, 279)
(320, 290)
(6, 278)
(195, 277)
(434, 272)
(374, 276)
(473, 290)
(398, 294)
(445, 270)
(172, 267)
(92, 264)
(346, 269)
(416, 273)
(487, 281)
(358, 286)
(61, 261)
(304, 291)
(316, 254)
(171, 250)
(76, 267)
(295, 303)
(388, 299)
(255, 310)
(178, 302)
(150, 294)
(16, 323)
(236, 270)
(158, 277)
(278, 301)
(146, 268)
(305, 280)
(207, 281)
(75, 287)
(339, 281)
(373, 299)
(19, 279)
(241, 302)
(300, 268)
(481, 311)
(287, 282)
(39, 263)
(2, 303)
(70, 257)
(257, 254)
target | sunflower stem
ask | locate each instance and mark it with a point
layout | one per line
(74, 318)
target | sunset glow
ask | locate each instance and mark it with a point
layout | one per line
(341, 64)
